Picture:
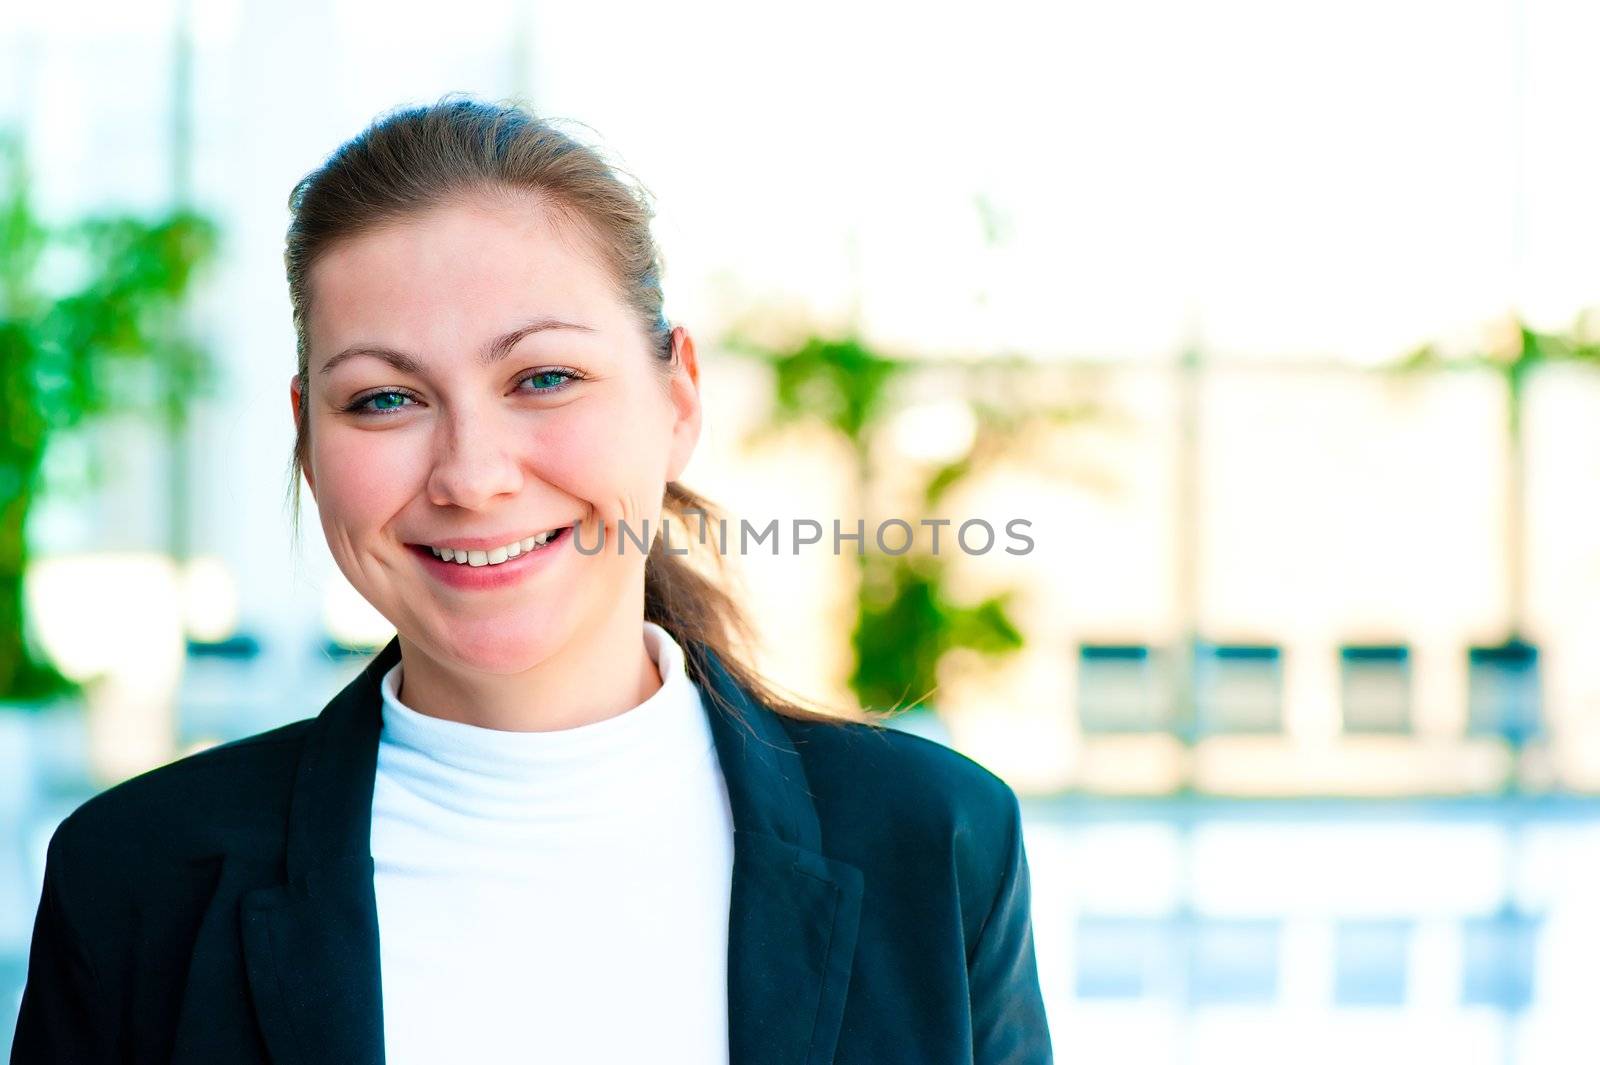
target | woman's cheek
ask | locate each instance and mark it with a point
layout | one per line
(365, 477)
(587, 455)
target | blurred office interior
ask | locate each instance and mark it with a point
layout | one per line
(1273, 321)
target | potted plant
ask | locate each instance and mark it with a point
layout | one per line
(90, 325)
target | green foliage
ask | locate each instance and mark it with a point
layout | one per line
(904, 626)
(1525, 349)
(842, 383)
(105, 337)
(905, 621)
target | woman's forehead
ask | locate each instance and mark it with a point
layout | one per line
(484, 245)
(457, 270)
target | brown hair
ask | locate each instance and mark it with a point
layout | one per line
(415, 158)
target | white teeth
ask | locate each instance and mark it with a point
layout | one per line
(494, 556)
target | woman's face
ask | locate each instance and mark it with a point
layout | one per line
(475, 380)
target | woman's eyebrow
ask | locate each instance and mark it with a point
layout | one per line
(493, 352)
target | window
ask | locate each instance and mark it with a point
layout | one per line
(1121, 689)
(1503, 691)
(1239, 687)
(1375, 683)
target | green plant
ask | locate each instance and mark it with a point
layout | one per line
(105, 336)
(905, 619)
(905, 624)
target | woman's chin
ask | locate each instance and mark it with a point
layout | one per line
(500, 653)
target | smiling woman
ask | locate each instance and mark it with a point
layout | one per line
(539, 401)
(557, 817)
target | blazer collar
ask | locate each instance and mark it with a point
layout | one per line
(311, 943)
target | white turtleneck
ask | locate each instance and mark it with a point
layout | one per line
(554, 896)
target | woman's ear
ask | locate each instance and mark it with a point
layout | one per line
(294, 404)
(684, 391)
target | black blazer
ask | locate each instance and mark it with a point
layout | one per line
(220, 909)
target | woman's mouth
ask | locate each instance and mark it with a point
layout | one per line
(493, 567)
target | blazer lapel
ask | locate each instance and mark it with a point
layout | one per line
(794, 912)
(311, 944)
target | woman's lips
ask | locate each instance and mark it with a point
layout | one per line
(498, 575)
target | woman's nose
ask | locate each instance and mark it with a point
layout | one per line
(474, 464)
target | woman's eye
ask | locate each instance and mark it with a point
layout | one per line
(550, 380)
(545, 382)
(360, 406)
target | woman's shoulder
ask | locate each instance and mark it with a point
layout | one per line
(881, 758)
(870, 778)
(216, 800)
(912, 814)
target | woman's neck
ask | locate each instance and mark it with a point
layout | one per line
(594, 677)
